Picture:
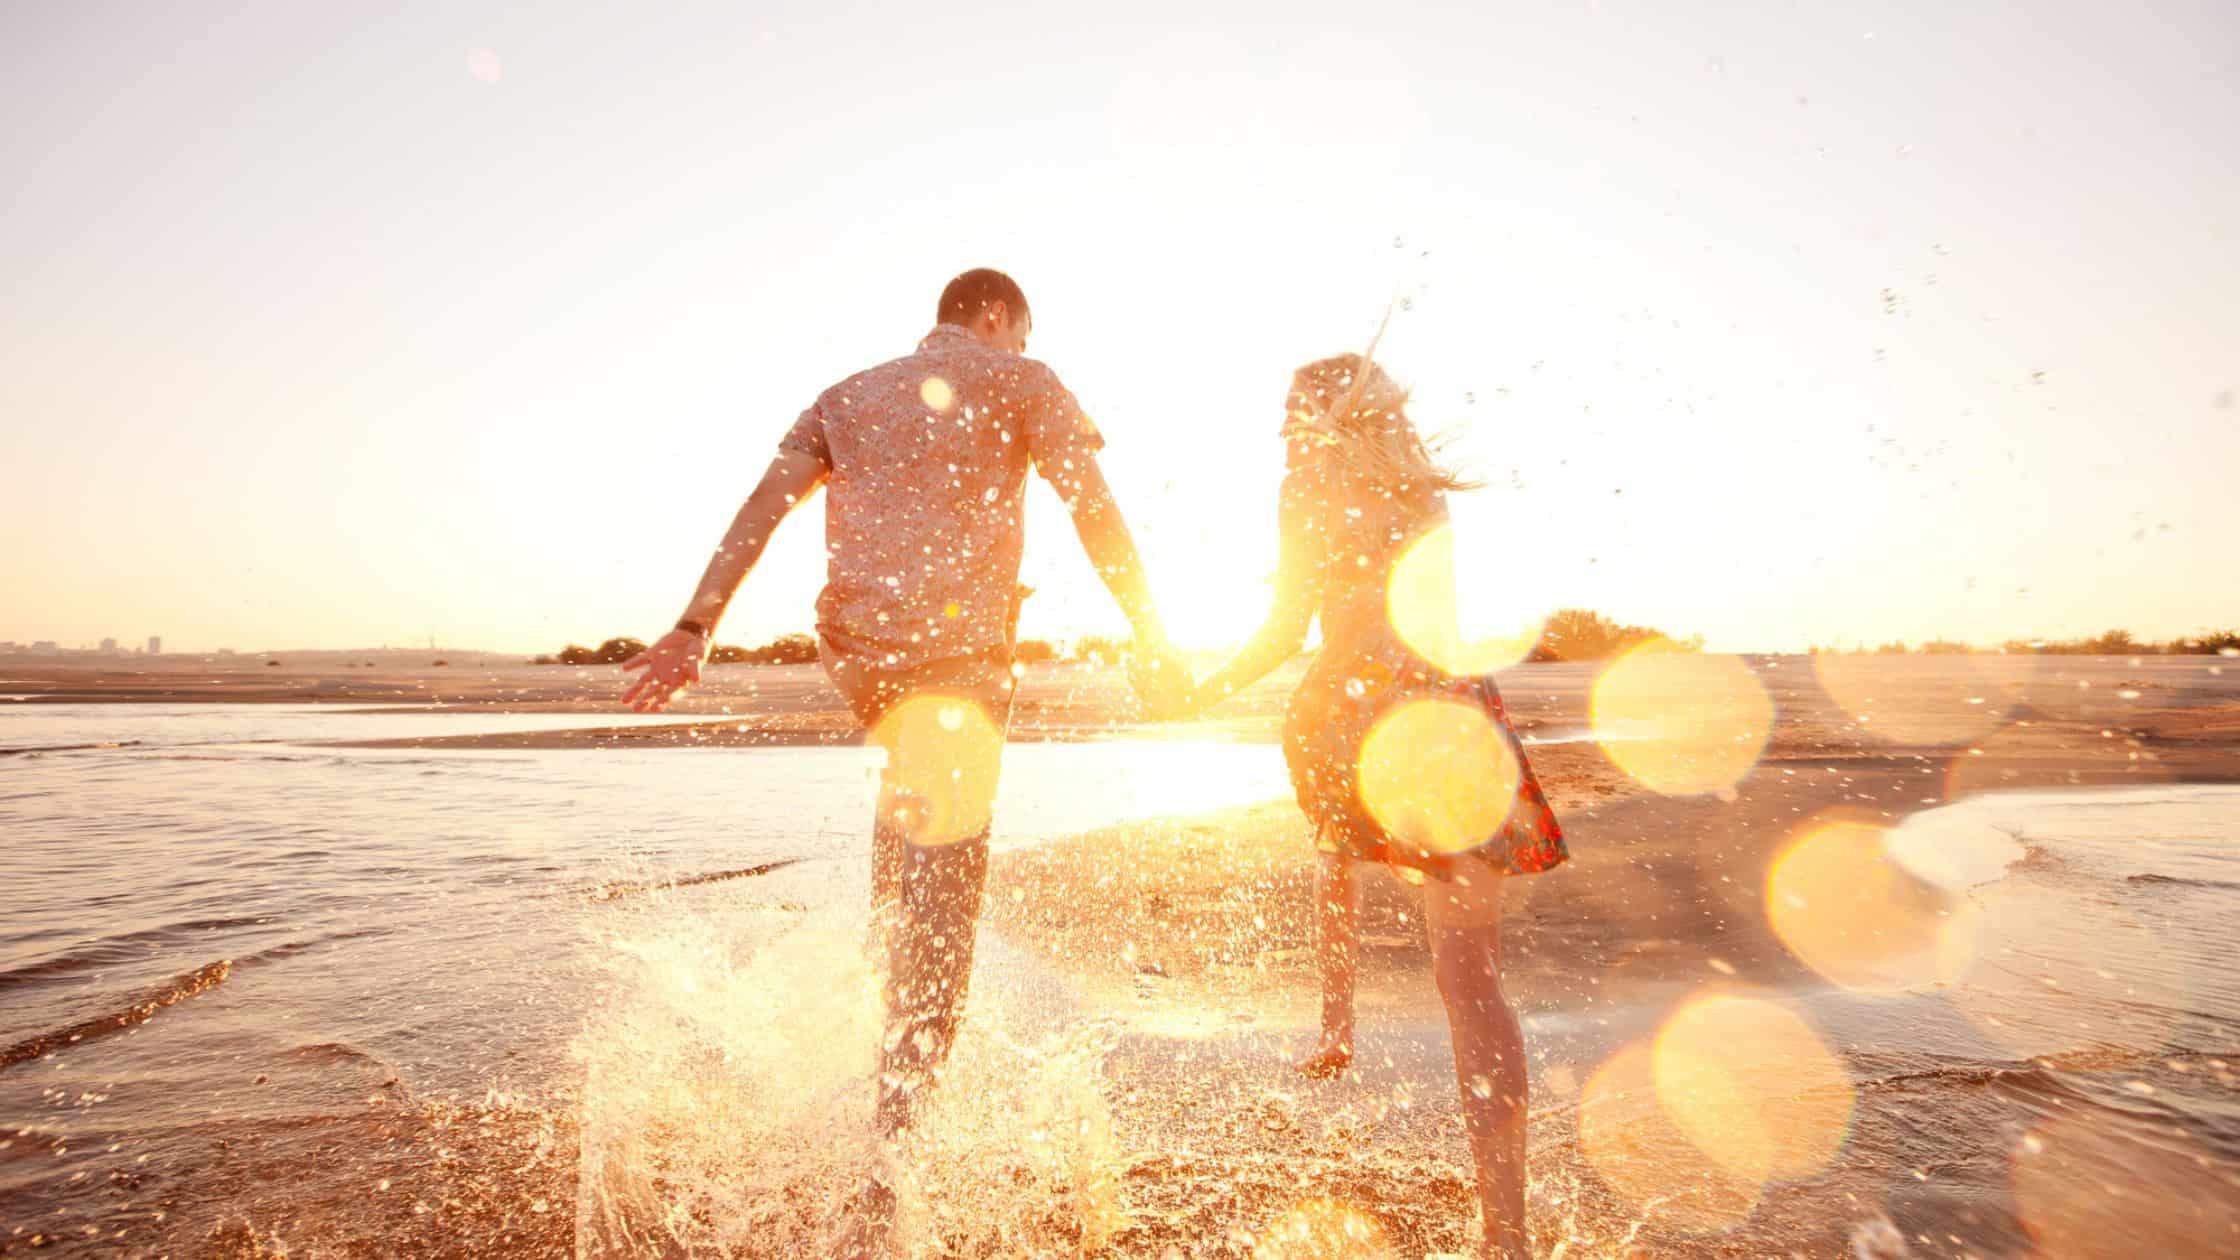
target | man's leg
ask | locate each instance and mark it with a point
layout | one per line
(929, 968)
(939, 781)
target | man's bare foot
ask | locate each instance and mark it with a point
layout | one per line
(1331, 1057)
(863, 1229)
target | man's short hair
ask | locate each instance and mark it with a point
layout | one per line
(972, 292)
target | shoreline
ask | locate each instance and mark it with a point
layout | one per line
(1188, 938)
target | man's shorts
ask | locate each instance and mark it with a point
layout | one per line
(942, 726)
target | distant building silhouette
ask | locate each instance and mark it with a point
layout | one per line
(109, 647)
(155, 645)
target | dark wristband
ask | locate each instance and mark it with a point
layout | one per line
(694, 628)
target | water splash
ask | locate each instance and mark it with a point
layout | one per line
(727, 1102)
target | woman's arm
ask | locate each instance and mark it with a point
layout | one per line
(1298, 595)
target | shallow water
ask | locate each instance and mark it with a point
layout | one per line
(463, 1000)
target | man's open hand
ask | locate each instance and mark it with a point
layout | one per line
(671, 665)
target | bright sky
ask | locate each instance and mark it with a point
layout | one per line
(331, 325)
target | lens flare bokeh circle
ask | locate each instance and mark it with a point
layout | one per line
(1939, 699)
(1635, 1147)
(1425, 607)
(943, 758)
(1848, 908)
(1753, 1086)
(1438, 775)
(1681, 722)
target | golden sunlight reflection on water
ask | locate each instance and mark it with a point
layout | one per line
(2083, 1189)
(1437, 774)
(1681, 722)
(2057, 972)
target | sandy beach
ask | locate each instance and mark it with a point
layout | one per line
(1192, 935)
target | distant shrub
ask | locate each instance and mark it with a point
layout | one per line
(2112, 643)
(1035, 652)
(2209, 643)
(1579, 634)
(616, 651)
(1097, 649)
(2124, 643)
(786, 649)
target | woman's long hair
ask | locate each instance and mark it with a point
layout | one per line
(1361, 417)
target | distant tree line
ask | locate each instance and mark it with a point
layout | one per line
(1571, 634)
(786, 649)
(2110, 643)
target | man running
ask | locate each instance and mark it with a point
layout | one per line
(926, 459)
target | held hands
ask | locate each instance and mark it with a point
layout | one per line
(1161, 679)
(671, 665)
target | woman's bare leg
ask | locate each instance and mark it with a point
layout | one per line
(1464, 921)
(1337, 954)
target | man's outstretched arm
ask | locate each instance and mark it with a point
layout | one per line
(1164, 680)
(673, 662)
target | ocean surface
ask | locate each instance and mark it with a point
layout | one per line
(257, 990)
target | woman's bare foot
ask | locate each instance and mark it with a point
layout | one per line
(863, 1229)
(1331, 1057)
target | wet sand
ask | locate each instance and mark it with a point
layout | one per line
(1198, 932)
(1194, 934)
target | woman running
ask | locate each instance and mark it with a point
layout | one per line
(1393, 758)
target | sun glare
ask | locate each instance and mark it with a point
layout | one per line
(1324, 1229)
(1459, 635)
(1207, 603)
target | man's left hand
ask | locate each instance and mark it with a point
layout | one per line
(671, 665)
